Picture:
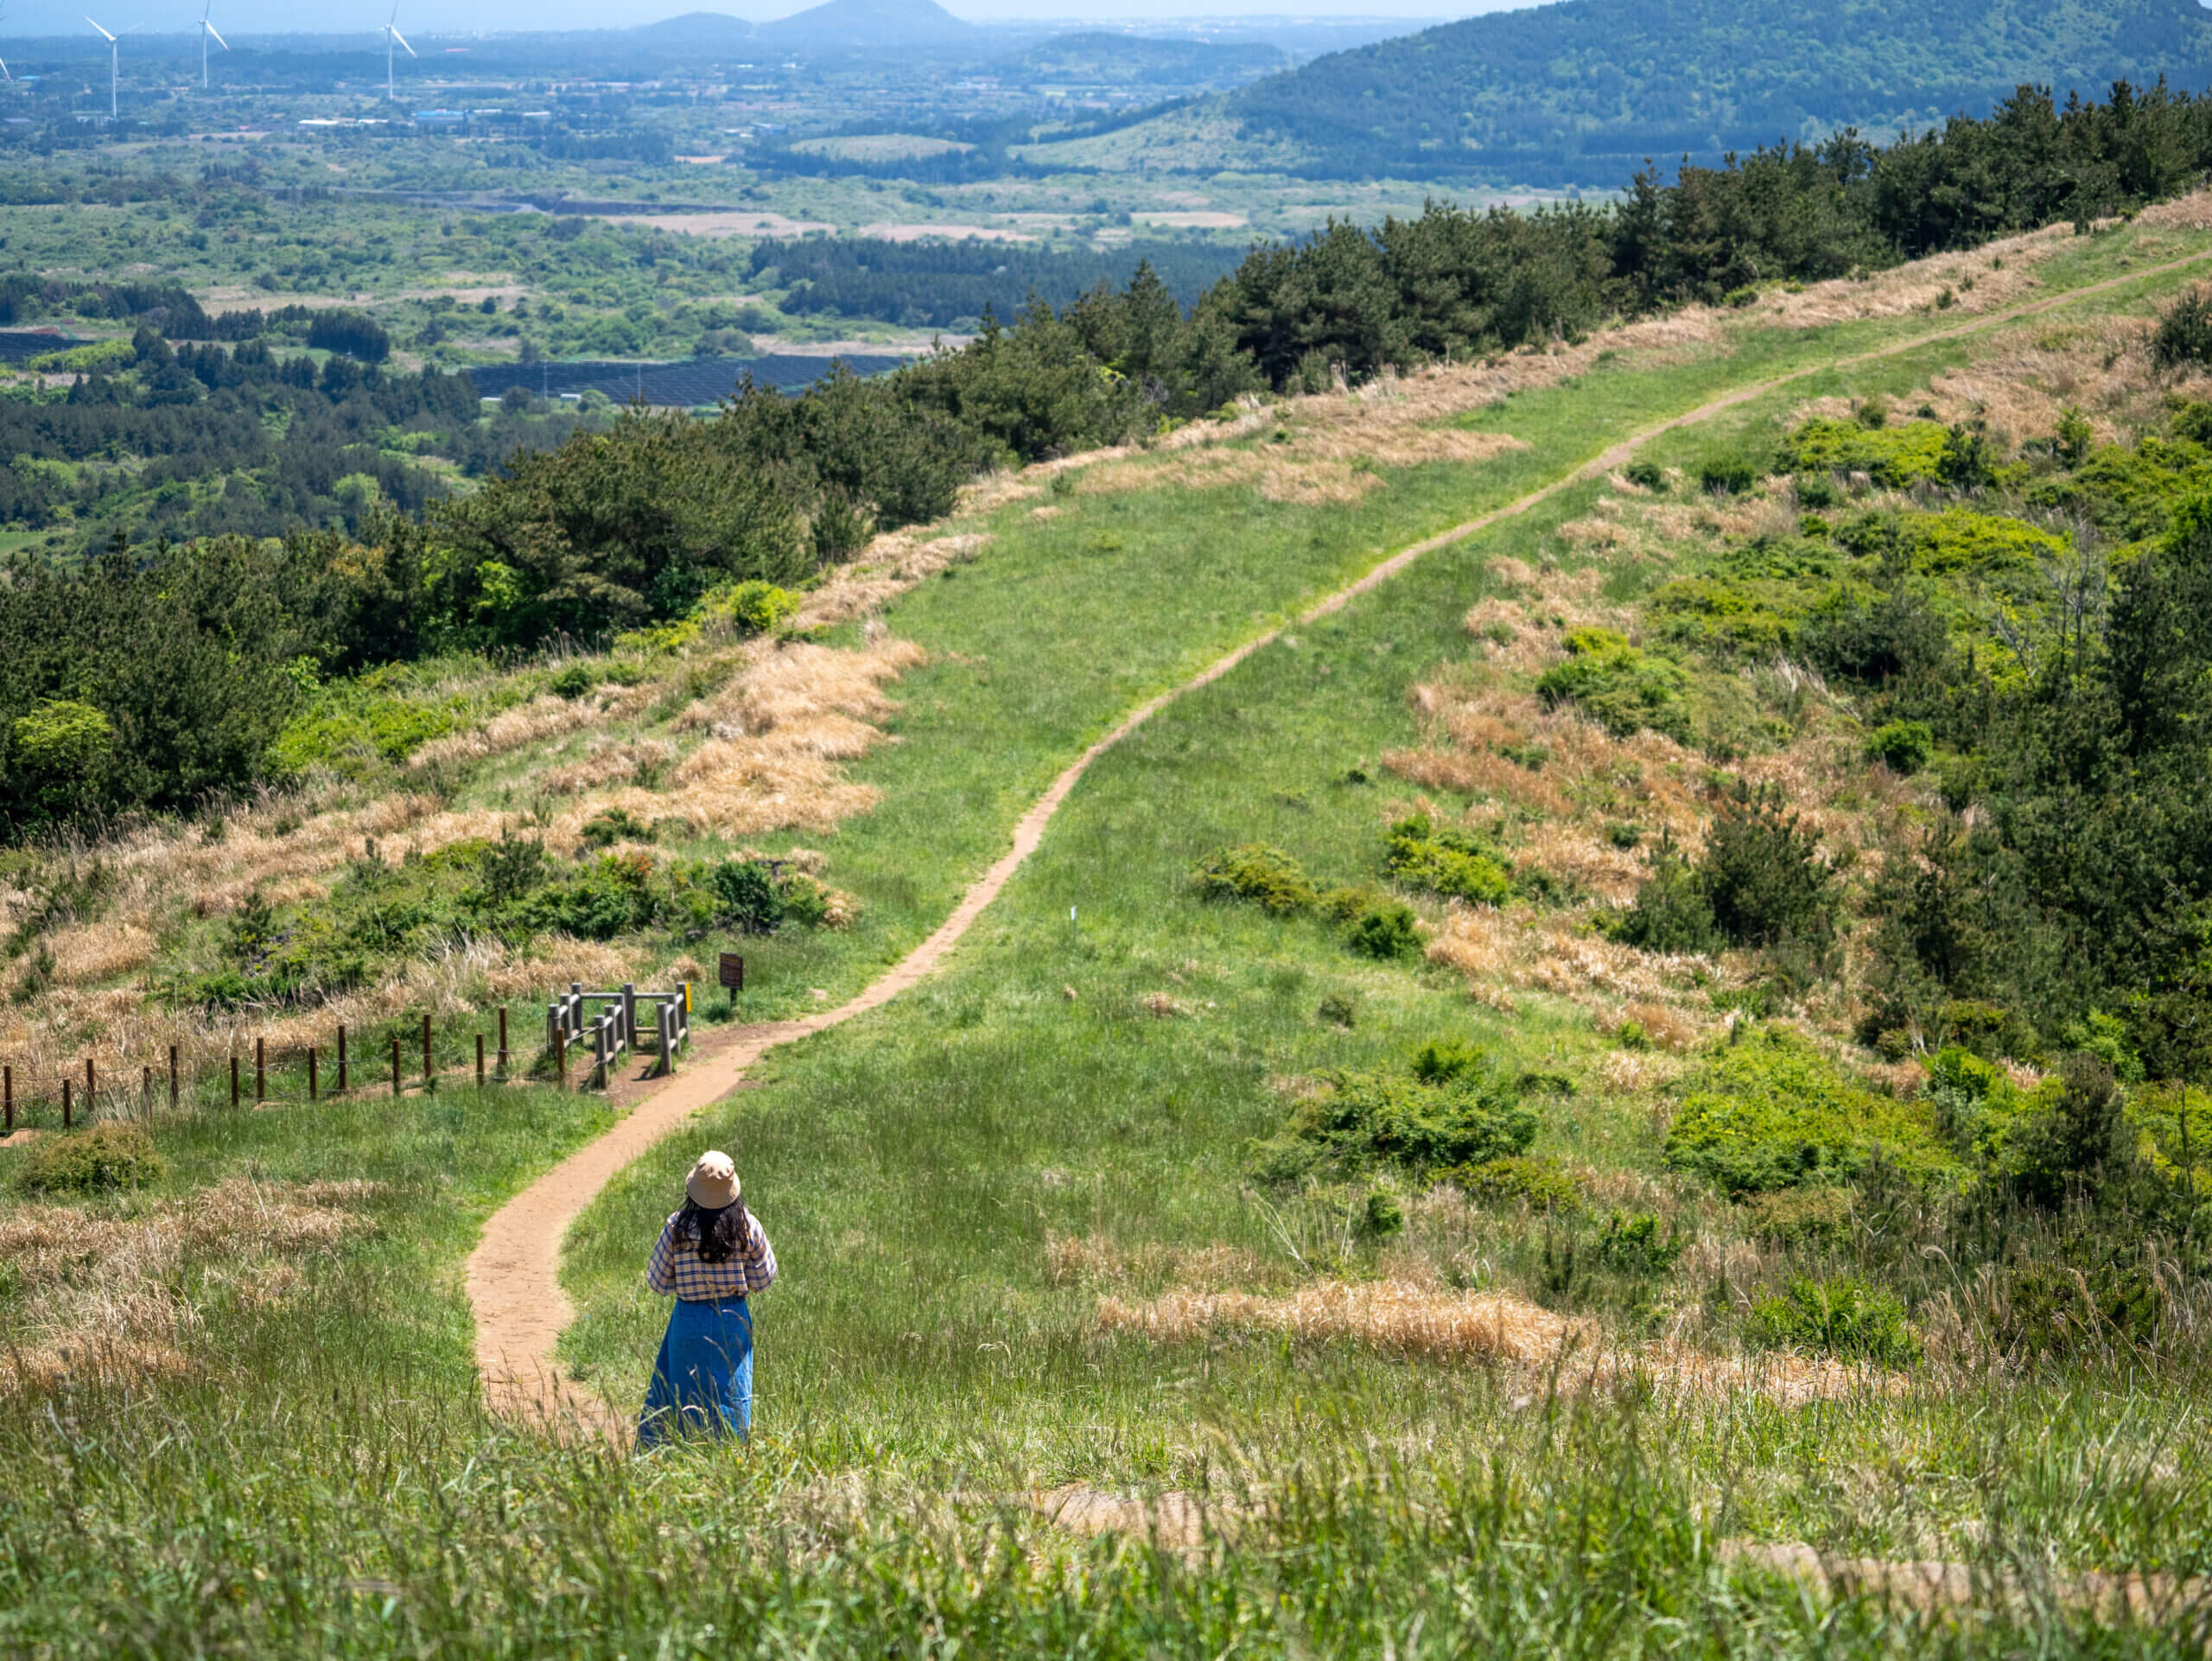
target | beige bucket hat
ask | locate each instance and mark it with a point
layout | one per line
(713, 1183)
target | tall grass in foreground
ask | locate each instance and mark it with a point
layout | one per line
(390, 1518)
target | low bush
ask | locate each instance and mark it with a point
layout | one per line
(2184, 332)
(753, 607)
(1387, 932)
(1670, 912)
(1763, 877)
(1446, 861)
(1620, 686)
(1647, 475)
(1638, 1244)
(747, 895)
(1771, 1111)
(1260, 873)
(1726, 474)
(2064, 1309)
(1544, 1184)
(1903, 746)
(104, 1156)
(1895, 457)
(1842, 1317)
(1371, 1118)
(1815, 1218)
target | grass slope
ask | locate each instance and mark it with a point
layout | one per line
(321, 1478)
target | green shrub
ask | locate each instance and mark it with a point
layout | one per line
(1338, 1011)
(1448, 862)
(1895, 457)
(1903, 746)
(1958, 540)
(1440, 1060)
(2063, 1309)
(1545, 1184)
(1817, 491)
(2071, 438)
(612, 824)
(1726, 474)
(747, 894)
(1341, 905)
(1386, 931)
(2184, 332)
(1382, 1218)
(1722, 617)
(1638, 1244)
(1819, 1218)
(573, 681)
(754, 607)
(1620, 686)
(86, 1161)
(350, 729)
(1259, 871)
(806, 901)
(1763, 877)
(1842, 1317)
(1649, 475)
(1670, 912)
(1370, 1118)
(1873, 412)
(1771, 1111)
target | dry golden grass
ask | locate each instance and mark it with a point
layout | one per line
(1392, 1316)
(112, 1293)
(92, 952)
(1329, 446)
(605, 761)
(1421, 1319)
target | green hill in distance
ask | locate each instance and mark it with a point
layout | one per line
(1582, 91)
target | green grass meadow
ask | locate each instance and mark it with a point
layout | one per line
(324, 1478)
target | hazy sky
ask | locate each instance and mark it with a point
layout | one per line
(429, 17)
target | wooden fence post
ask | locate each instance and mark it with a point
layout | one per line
(260, 1070)
(480, 1060)
(429, 1072)
(314, 1091)
(234, 1078)
(394, 1063)
(173, 1078)
(503, 1041)
(145, 1091)
(65, 1104)
(341, 1058)
(560, 1055)
(8, 1090)
(91, 1088)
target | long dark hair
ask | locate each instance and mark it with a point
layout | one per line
(717, 1234)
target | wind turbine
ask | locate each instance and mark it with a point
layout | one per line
(111, 70)
(392, 35)
(5, 71)
(206, 29)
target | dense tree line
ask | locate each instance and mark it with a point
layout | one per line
(932, 284)
(1575, 93)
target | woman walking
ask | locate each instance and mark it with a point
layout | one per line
(712, 1255)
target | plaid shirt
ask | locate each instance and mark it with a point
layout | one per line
(675, 1266)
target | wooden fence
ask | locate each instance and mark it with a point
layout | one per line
(411, 1058)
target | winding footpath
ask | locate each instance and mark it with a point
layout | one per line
(514, 1274)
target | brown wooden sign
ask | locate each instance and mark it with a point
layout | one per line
(733, 971)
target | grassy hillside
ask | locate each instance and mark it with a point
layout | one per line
(1080, 1206)
(1582, 92)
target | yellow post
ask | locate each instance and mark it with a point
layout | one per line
(687, 997)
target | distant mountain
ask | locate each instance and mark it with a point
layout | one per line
(707, 26)
(1101, 57)
(857, 23)
(1582, 91)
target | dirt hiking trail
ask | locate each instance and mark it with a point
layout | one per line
(514, 1274)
